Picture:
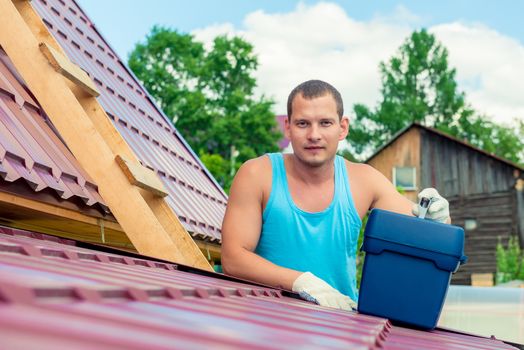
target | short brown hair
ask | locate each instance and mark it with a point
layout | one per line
(315, 88)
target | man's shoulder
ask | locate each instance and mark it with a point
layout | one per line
(253, 178)
(359, 168)
(256, 168)
(257, 164)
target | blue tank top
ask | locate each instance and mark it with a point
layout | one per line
(324, 243)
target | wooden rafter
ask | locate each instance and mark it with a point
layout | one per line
(149, 222)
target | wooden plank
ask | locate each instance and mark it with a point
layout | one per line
(132, 211)
(68, 69)
(10, 199)
(36, 25)
(482, 279)
(140, 176)
(213, 252)
(35, 216)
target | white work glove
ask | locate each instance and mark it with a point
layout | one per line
(438, 209)
(312, 288)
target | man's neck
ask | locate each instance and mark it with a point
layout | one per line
(310, 175)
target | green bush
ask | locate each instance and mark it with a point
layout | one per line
(510, 261)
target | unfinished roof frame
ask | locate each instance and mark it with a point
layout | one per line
(149, 222)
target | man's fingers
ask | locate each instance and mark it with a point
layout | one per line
(428, 193)
(437, 206)
(442, 219)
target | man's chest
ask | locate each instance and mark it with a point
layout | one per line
(312, 198)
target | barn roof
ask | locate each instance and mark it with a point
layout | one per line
(56, 293)
(447, 136)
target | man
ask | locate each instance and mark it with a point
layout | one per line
(293, 220)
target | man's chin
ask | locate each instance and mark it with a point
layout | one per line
(314, 161)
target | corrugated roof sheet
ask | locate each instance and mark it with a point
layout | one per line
(30, 151)
(194, 195)
(56, 294)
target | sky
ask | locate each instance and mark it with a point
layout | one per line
(343, 42)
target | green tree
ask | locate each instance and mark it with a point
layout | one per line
(419, 86)
(209, 93)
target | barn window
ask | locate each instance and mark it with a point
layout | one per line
(405, 177)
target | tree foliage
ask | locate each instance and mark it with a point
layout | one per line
(209, 93)
(419, 86)
(510, 261)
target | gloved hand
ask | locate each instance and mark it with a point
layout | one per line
(438, 209)
(312, 288)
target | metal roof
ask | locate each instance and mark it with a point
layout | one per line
(55, 293)
(31, 152)
(195, 196)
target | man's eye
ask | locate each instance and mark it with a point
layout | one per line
(326, 123)
(301, 124)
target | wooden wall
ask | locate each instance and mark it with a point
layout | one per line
(402, 152)
(457, 170)
(519, 212)
(478, 187)
(495, 220)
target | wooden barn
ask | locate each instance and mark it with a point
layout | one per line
(485, 191)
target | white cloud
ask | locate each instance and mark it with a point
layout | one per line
(322, 41)
(490, 68)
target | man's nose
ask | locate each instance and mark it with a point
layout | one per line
(314, 133)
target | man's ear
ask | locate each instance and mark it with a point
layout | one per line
(287, 126)
(344, 128)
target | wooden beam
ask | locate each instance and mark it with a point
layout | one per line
(140, 176)
(8, 198)
(29, 214)
(36, 25)
(482, 279)
(211, 251)
(68, 69)
(89, 147)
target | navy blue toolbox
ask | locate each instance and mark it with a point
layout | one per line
(408, 267)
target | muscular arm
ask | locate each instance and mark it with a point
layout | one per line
(242, 226)
(385, 195)
(371, 189)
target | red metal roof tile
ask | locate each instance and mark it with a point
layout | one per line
(30, 151)
(55, 293)
(152, 137)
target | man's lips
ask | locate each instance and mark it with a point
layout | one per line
(314, 148)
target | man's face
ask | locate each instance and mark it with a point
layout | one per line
(314, 129)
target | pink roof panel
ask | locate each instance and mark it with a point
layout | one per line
(56, 293)
(194, 194)
(30, 151)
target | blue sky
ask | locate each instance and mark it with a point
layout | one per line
(136, 17)
(343, 41)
